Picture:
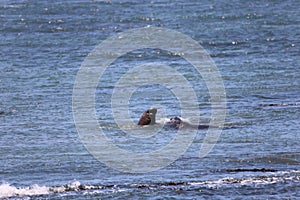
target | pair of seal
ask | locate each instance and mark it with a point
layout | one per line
(148, 118)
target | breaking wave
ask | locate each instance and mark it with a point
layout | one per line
(9, 191)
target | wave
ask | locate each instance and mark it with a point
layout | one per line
(9, 191)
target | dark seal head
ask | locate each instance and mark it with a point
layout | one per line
(175, 122)
(148, 117)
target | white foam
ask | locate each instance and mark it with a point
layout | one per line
(7, 190)
(269, 178)
(162, 120)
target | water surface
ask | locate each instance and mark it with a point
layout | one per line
(254, 44)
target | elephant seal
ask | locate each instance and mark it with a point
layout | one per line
(148, 117)
(178, 123)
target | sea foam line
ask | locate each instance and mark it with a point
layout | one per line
(7, 190)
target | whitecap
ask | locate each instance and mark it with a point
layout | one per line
(6, 190)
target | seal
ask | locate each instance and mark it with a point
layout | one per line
(178, 123)
(148, 118)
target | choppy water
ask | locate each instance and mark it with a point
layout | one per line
(255, 45)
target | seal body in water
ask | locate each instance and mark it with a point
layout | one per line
(148, 118)
(178, 123)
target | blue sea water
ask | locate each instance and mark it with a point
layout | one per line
(254, 44)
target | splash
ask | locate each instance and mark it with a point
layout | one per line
(6, 190)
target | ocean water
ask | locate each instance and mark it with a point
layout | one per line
(255, 46)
